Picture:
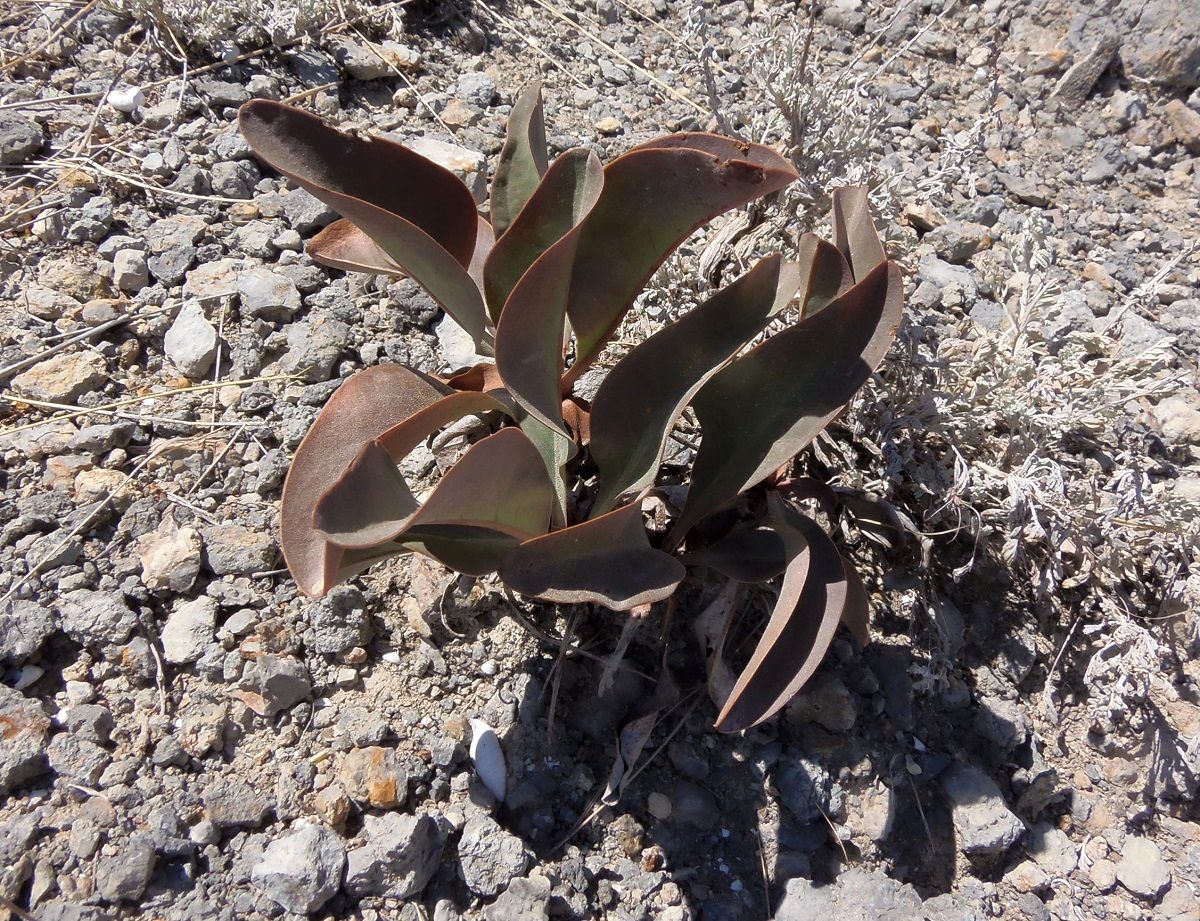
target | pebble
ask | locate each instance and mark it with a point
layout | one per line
(983, 823)
(1103, 874)
(375, 776)
(279, 682)
(189, 630)
(170, 557)
(93, 618)
(365, 60)
(525, 899)
(468, 165)
(826, 701)
(489, 856)
(236, 550)
(302, 870)
(20, 139)
(230, 802)
(191, 342)
(1142, 869)
(77, 759)
(235, 178)
(124, 876)
(477, 89)
(856, 894)
(24, 626)
(62, 378)
(398, 857)
(314, 347)
(267, 294)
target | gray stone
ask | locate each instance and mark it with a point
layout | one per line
(856, 895)
(189, 630)
(1142, 869)
(23, 728)
(20, 139)
(221, 92)
(234, 550)
(213, 281)
(526, 899)
(1185, 123)
(1052, 850)
(1076, 84)
(339, 621)
(62, 378)
(77, 759)
(458, 348)
(399, 856)
(1161, 42)
(235, 178)
(476, 89)
(124, 876)
(281, 682)
(24, 626)
(191, 342)
(302, 870)
(92, 722)
(304, 212)
(131, 272)
(489, 856)
(96, 618)
(364, 60)
(266, 294)
(826, 701)
(958, 241)
(314, 346)
(230, 802)
(807, 790)
(983, 823)
(468, 165)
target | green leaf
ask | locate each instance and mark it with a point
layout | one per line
(522, 161)
(642, 397)
(654, 197)
(606, 560)
(364, 407)
(801, 626)
(417, 212)
(762, 409)
(555, 451)
(565, 196)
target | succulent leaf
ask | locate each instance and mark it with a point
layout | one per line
(522, 161)
(419, 213)
(801, 626)
(654, 197)
(565, 196)
(368, 505)
(746, 554)
(825, 274)
(854, 231)
(359, 411)
(643, 396)
(762, 409)
(342, 245)
(606, 560)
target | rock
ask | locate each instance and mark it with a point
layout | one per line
(983, 823)
(487, 757)
(189, 630)
(221, 93)
(958, 241)
(526, 899)
(191, 342)
(235, 178)
(476, 89)
(77, 759)
(20, 139)
(230, 802)
(170, 557)
(90, 721)
(856, 895)
(1185, 123)
(468, 165)
(267, 295)
(124, 876)
(62, 378)
(489, 856)
(314, 346)
(278, 683)
(339, 621)
(458, 348)
(131, 272)
(1161, 41)
(306, 213)
(807, 790)
(1076, 84)
(1179, 418)
(1142, 869)
(127, 99)
(24, 626)
(1103, 874)
(23, 728)
(96, 618)
(1027, 877)
(826, 701)
(234, 550)
(302, 870)
(608, 126)
(374, 775)
(1052, 850)
(399, 856)
(364, 60)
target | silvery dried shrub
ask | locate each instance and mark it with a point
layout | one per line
(551, 497)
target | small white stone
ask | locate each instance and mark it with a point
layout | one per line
(488, 758)
(126, 99)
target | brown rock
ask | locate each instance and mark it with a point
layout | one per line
(62, 378)
(374, 775)
(1185, 123)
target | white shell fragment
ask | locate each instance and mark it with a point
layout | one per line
(488, 758)
(126, 99)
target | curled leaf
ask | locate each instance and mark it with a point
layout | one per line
(606, 560)
(802, 624)
(854, 231)
(368, 505)
(344, 246)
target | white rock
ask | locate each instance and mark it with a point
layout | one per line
(189, 630)
(488, 758)
(458, 348)
(126, 99)
(191, 342)
(170, 557)
(468, 165)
